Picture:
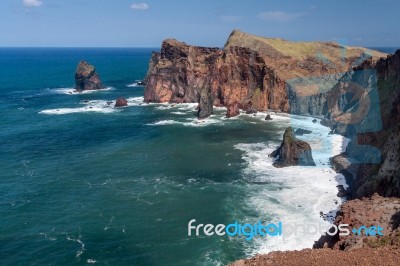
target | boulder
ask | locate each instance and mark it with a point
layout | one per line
(268, 117)
(292, 151)
(86, 77)
(232, 110)
(121, 102)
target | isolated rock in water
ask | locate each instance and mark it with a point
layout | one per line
(300, 132)
(121, 102)
(315, 121)
(205, 107)
(268, 117)
(232, 110)
(86, 77)
(292, 151)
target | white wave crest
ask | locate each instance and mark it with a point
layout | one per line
(297, 194)
(72, 91)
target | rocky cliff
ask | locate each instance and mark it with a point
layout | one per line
(252, 73)
(365, 105)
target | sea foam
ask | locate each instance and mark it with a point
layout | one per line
(72, 91)
(297, 194)
(99, 106)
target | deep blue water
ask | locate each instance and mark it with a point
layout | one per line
(109, 187)
(82, 182)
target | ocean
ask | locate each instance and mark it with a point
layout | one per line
(84, 183)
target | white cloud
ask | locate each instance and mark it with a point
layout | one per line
(230, 19)
(32, 3)
(141, 6)
(279, 16)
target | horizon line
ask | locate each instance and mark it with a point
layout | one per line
(143, 47)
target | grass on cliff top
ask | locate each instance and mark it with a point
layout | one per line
(300, 50)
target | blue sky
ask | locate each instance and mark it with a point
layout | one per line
(130, 23)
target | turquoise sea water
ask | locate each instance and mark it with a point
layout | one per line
(84, 183)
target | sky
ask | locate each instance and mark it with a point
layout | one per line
(145, 23)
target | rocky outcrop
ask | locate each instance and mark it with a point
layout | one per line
(86, 77)
(292, 151)
(256, 73)
(121, 102)
(232, 110)
(372, 211)
(205, 107)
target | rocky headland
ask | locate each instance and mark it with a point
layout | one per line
(355, 90)
(252, 73)
(86, 77)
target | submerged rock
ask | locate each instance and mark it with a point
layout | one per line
(300, 132)
(121, 102)
(86, 77)
(292, 151)
(268, 117)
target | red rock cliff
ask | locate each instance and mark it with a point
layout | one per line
(252, 72)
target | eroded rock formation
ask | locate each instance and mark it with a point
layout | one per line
(86, 77)
(292, 151)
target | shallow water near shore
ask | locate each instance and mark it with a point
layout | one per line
(83, 182)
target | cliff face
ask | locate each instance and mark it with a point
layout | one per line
(370, 117)
(384, 178)
(252, 72)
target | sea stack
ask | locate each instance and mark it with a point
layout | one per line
(205, 104)
(292, 151)
(86, 77)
